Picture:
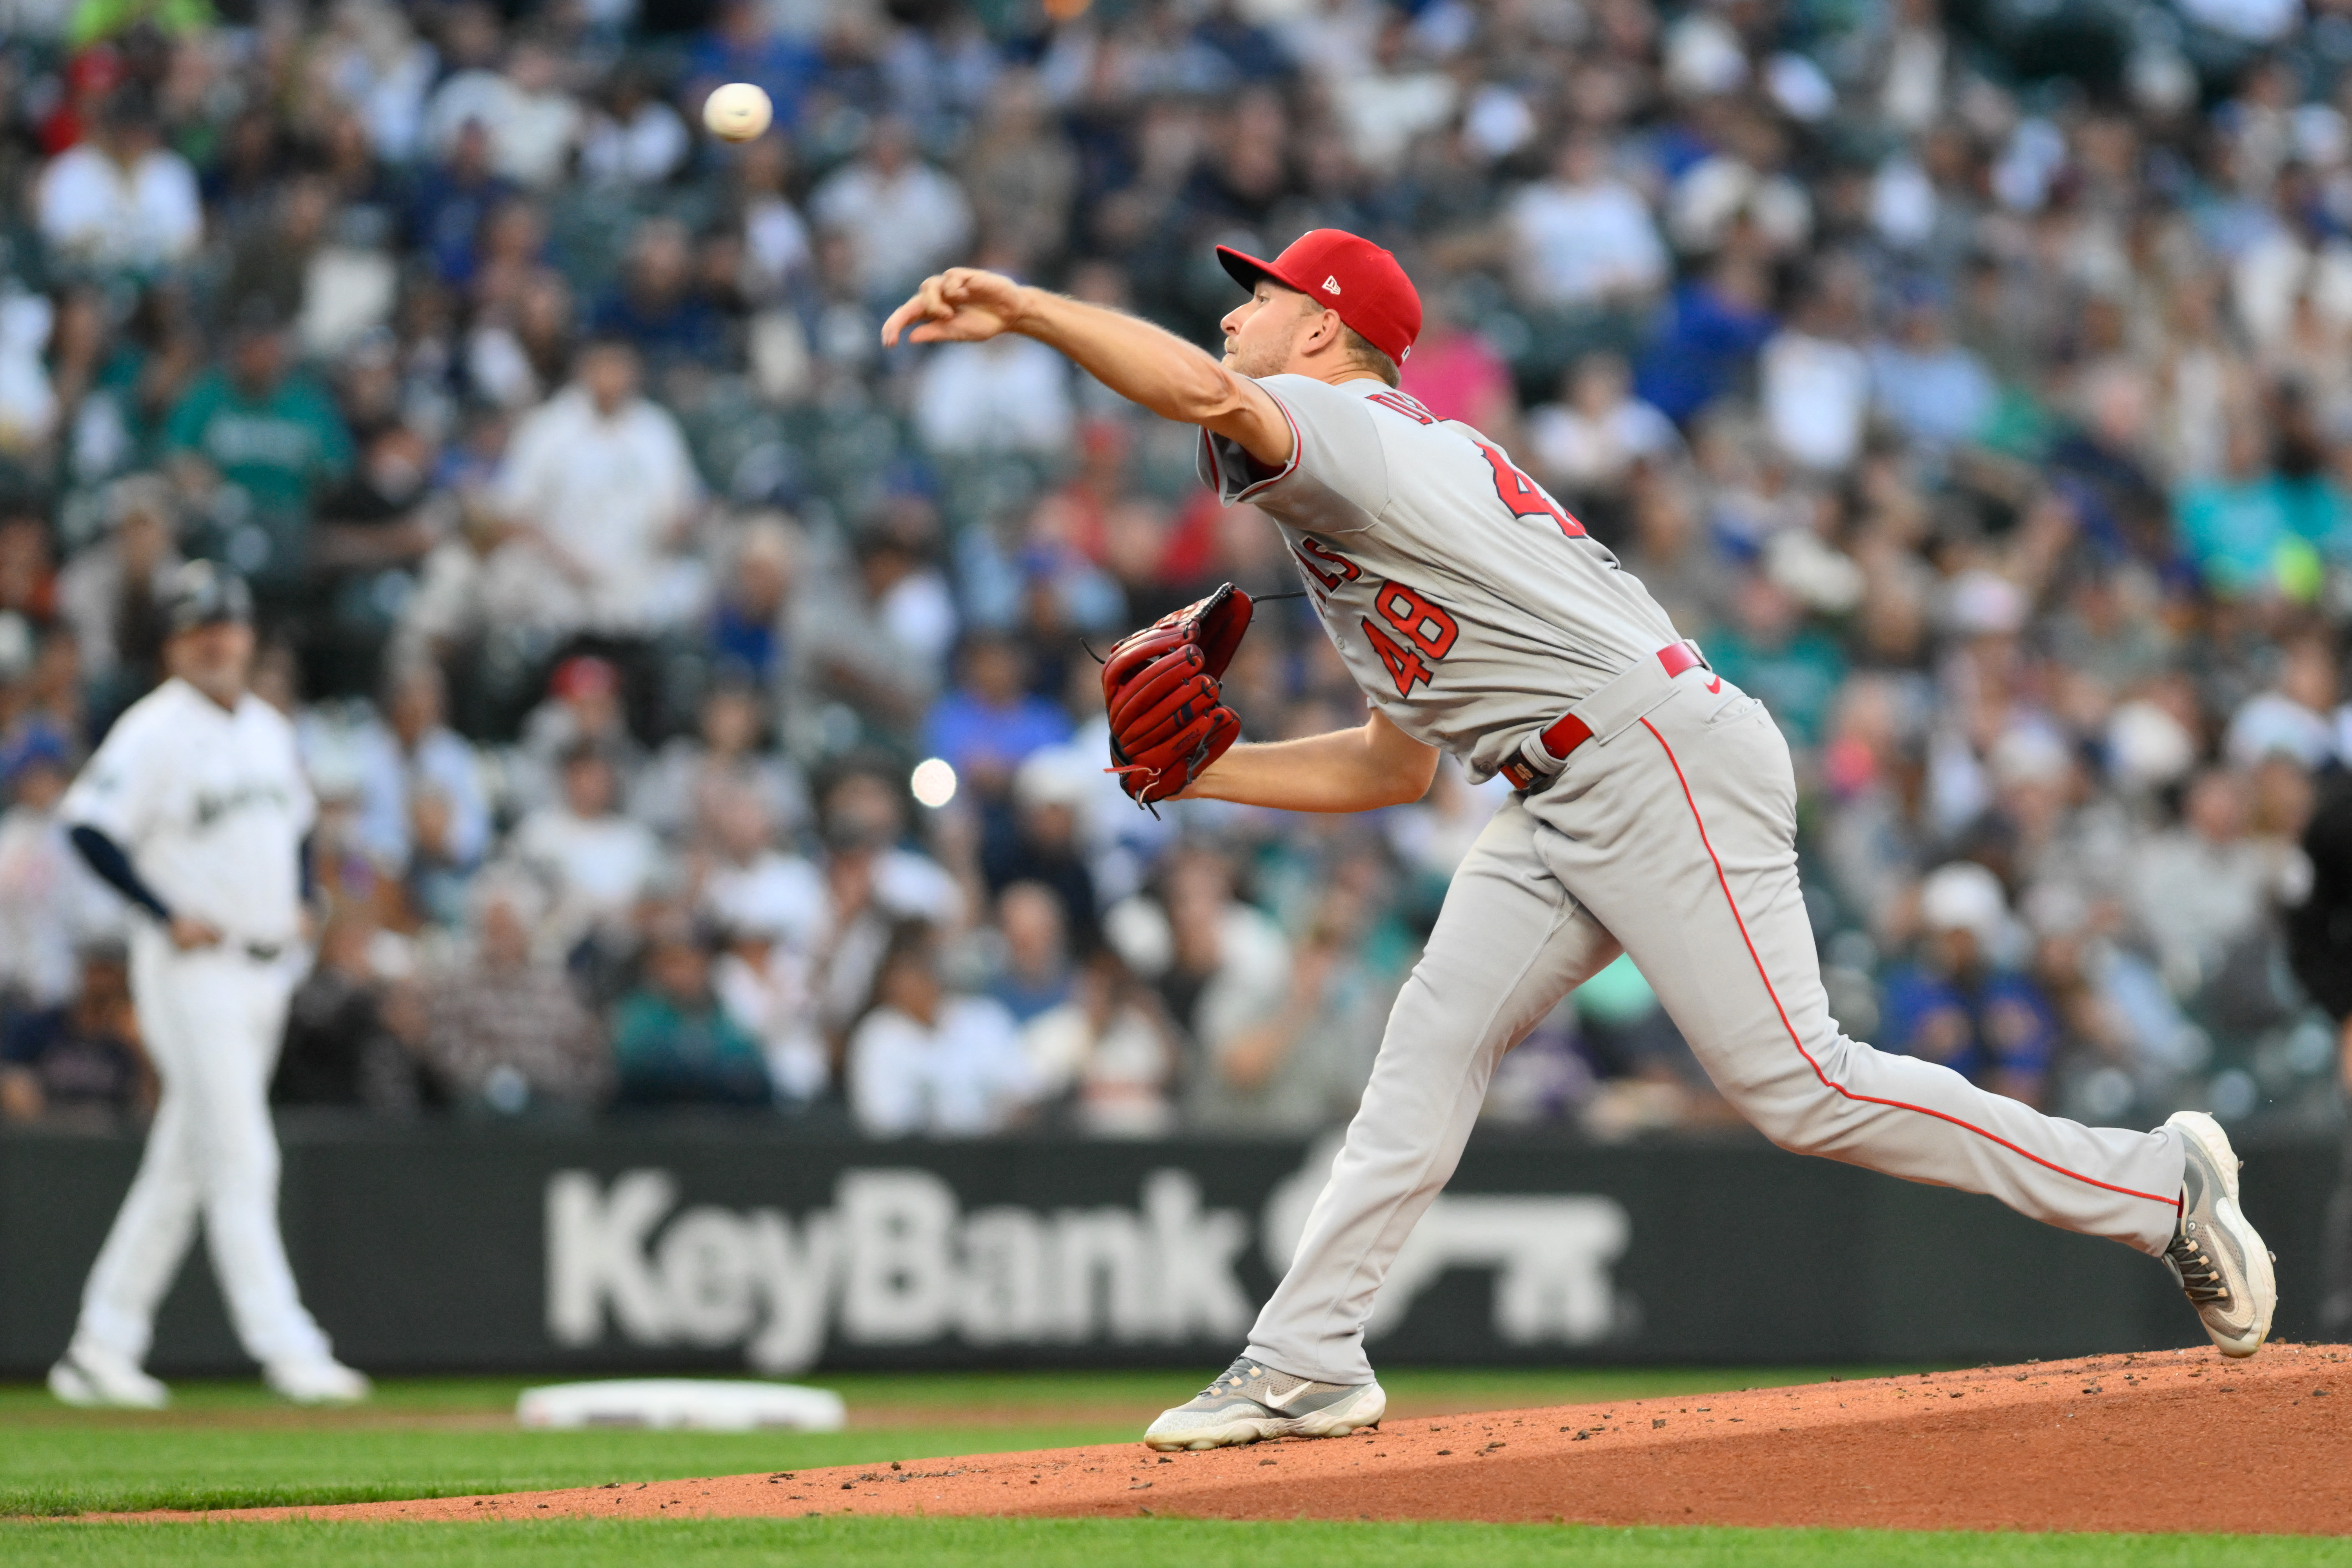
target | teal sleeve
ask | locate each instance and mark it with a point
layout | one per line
(638, 1030)
(183, 427)
(335, 452)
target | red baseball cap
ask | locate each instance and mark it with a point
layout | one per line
(1347, 273)
(583, 675)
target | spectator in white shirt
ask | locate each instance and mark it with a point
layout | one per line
(1816, 385)
(1584, 239)
(777, 250)
(1111, 1050)
(774, 909)
(876, 637)
(904, 218)
(1585, 444)
(2198, 889)
(680, 793)
(532, 123)
(422, 809)
(598, 861)
(2295, 717)
(1382, 110)
(872, 886)
(121, 201)
(1009, 395)
(752, 885)
(925, 1062)
(600, 486)
(635, 139)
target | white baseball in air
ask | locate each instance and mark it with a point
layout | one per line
(933, 782)
(738, 112)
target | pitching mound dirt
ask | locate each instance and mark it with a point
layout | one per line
(2177, 1440)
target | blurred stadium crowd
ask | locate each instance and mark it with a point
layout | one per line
(701, 697)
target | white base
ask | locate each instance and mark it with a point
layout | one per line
(709, 1404)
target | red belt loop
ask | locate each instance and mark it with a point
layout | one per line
(1567, 732)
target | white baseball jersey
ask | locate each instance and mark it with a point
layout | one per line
(210, 805)
(1468, 605)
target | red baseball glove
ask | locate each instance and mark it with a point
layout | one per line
(1160, 688)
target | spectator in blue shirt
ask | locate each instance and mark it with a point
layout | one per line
(1933, 390)
(1957, 1003)
(746, 630)
(740, 46)
(453, 203)
(1709, 336)
(989, 721)
(1035, 976)
(79, 1062)
(657, 307)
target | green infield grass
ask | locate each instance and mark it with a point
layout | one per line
(231, 1444)
(1107, 1543)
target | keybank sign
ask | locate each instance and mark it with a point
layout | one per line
(898, 1260)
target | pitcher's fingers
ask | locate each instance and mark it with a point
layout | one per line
(928, 305)
(899, 319)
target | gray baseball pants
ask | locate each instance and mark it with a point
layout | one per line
(1673, 839)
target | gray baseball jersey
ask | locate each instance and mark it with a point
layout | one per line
(211, 806)
(1468, 605)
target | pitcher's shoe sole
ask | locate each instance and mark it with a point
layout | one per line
(1226, 1415)
(2215, 1238)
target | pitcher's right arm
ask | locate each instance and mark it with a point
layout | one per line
(1143, 363)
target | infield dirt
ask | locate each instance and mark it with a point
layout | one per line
(2158, 1441)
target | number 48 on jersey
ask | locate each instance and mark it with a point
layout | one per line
(1428, 634)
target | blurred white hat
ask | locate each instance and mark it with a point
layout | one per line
(1704, 57)
(1983, 603)
(2146, 747)
(2272, 724)
(2031, 753)
(1053, 775)
(1964, 895)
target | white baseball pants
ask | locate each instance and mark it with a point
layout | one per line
(1675, 838)
(212, 1020)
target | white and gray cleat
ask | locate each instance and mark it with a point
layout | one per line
(1252, 1401)
(96, 1378)
(316, 1380)
(2220, 1262)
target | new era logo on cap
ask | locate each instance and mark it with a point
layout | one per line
(1365, 284)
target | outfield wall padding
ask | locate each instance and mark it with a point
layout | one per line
(728, 1246)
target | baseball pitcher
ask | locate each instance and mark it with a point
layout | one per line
(1655, 814)
(194, 808)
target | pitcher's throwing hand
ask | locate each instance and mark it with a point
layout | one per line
(962, 305)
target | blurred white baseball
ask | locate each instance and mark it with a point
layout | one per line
(738, 112)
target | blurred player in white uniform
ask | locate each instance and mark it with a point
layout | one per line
(195, 809)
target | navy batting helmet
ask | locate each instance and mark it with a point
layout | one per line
(201, 593)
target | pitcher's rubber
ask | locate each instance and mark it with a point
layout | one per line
(2171, 1440)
